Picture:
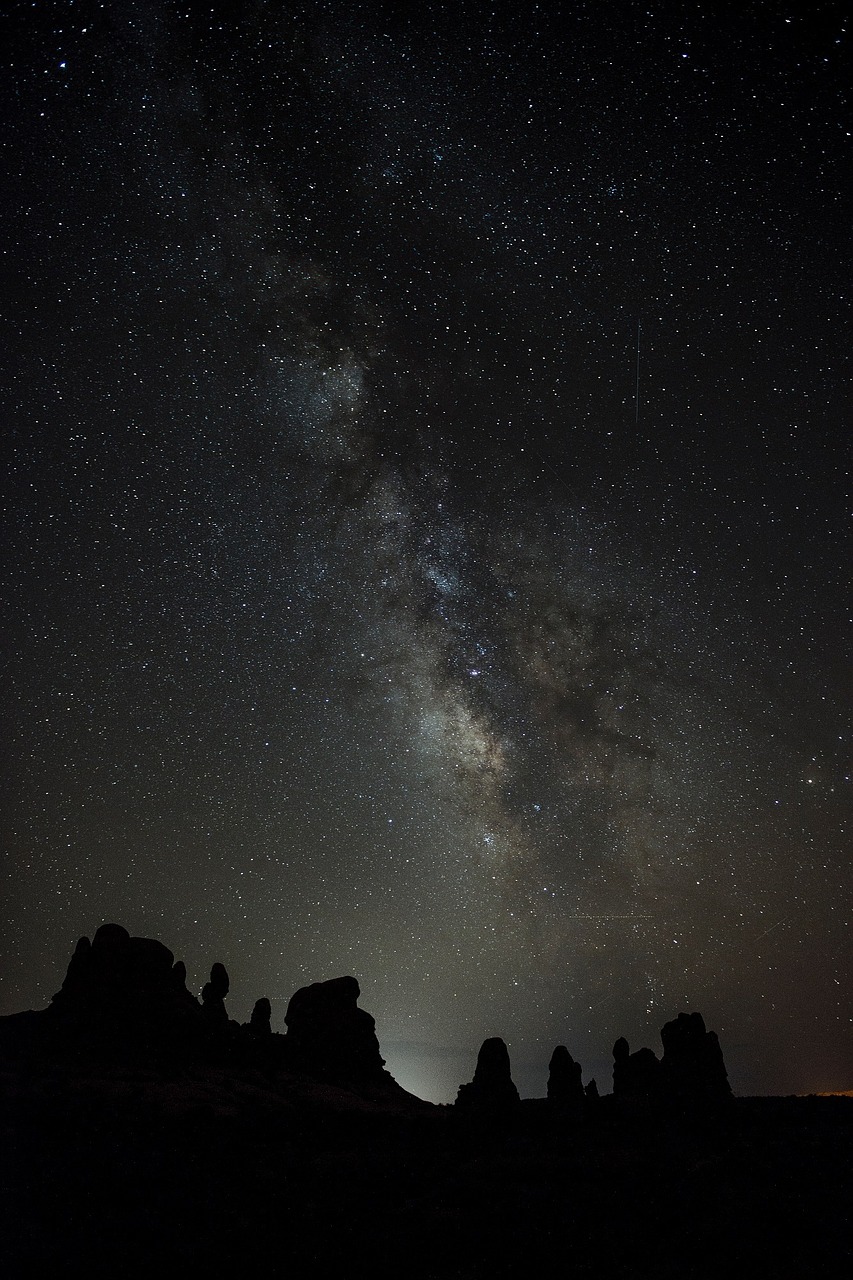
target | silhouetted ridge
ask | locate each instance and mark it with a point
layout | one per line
(127, 998)
(123, 994)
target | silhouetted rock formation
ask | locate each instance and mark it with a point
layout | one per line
(691, 1072)
(124, 1004)
(329, 1036)
(492, 1088)
(259, 1023)
(123, 986)
(636, 1076)
(127, 997)
(213, 995)
(693, 1069)
(565, 1087)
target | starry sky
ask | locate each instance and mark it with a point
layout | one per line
(424, 515)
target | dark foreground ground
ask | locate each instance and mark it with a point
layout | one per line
(111, 1169)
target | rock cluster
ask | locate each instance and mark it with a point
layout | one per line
(119, 985)
(636, 1076)
(128, 991)
(692, 1067)
(691, 1072)
(125, 991)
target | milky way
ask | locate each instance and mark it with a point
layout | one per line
(371, 608)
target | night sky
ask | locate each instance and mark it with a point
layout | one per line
(426, 550)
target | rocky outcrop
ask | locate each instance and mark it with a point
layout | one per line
(123, 986)
(636, 1076)
(213, 995)
(565, 1086)
(692, 1068)
(122, 995)
(691, 1072)
(492, 1088)
(330, 1037)
(125, 1002)
(259, 1023)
